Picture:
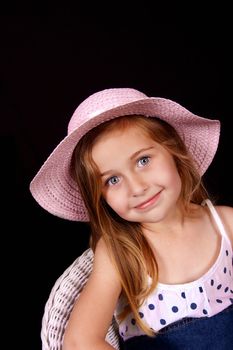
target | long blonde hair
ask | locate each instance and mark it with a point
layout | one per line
(128, 247)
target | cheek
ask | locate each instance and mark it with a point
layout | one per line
(171, 176)
(174, 179)
(116, 202)
(112, 198)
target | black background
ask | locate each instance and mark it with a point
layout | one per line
(52, 59)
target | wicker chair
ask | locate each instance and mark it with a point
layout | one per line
(61, 300)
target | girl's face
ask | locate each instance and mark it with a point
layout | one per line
(139, 177)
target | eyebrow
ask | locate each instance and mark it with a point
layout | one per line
(134, 155)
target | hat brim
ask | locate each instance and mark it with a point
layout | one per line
(55, 190)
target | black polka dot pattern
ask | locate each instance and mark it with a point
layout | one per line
(163, 322)
(175, 309)
(133, 321)
(202, 298)
(193, 306)
(219, 301)
(160, 296)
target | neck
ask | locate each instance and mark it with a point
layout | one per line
(176, 223)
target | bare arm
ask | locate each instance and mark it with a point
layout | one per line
(93, 311)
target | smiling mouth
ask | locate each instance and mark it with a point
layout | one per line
(149, 202)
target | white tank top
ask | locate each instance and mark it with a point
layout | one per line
(204, 297)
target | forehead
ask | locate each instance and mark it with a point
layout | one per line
(118, 146)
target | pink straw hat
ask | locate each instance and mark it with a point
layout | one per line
(53, 187)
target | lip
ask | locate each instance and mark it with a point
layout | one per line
(149, 202)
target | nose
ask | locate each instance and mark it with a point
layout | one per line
(137, 185)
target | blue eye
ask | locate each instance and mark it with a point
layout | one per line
(113, 180)
(143, 161)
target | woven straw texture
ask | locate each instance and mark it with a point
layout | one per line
(61, 300)
(54, 188)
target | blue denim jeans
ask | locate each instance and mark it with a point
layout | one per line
(206, 333)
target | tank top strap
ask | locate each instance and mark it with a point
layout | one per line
(216, 217)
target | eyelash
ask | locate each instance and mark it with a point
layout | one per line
(144, 157)
(108, 183)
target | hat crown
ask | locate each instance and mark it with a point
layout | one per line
(101, 102)
(55, 189)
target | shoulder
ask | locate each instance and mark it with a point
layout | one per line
(103, 264)
(104, 274)
(226, 214)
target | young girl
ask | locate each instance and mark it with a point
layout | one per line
(131, 165)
